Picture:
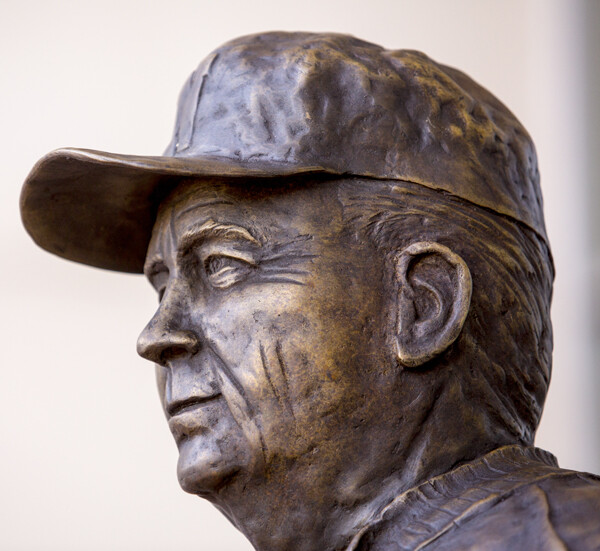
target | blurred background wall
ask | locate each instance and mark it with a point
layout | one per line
(87, 461)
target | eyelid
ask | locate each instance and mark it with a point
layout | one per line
(208, 249)
(229, 271)
(214, 238)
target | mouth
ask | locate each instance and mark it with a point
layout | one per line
(182, 406)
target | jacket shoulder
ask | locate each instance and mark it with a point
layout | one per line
(549, 509)
(573, 501)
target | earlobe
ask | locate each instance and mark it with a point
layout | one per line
(434, 295)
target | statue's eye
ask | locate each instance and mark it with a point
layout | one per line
(223, 271)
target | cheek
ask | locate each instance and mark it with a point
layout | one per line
(295, 357)
(293, 382)
(254, 376)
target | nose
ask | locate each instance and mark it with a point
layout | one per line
(162, 347)
(160, 343)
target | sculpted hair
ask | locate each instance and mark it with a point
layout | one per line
(503, 355)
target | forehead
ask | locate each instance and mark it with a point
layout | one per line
(266, 208)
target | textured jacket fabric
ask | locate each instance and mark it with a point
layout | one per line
(513, 499)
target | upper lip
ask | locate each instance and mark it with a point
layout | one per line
(179, 406)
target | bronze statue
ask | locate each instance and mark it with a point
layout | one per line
(353, 342)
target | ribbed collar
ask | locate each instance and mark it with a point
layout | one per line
(425, 512)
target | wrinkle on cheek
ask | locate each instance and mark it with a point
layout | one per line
(242, 411)
(258, 396)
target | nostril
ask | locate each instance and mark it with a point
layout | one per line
(175, 352)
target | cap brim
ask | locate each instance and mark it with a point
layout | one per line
(98, 208)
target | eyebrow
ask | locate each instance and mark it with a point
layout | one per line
(198, 233)
(212, 229)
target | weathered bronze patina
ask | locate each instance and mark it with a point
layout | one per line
(353, 343)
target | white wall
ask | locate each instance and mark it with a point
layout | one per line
(87, 461)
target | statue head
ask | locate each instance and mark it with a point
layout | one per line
(354, 276)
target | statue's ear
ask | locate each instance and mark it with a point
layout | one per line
(434, 295)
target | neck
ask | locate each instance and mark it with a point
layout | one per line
(304, 510)
(321, 500)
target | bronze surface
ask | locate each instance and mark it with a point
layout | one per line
(353, 339)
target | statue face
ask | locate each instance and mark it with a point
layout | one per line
(270, 335)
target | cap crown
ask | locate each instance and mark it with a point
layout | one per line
(350, 107)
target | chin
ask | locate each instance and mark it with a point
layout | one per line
(204, 469)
